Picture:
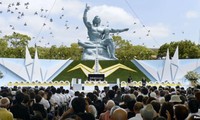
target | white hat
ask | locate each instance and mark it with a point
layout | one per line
(175, 98)
(153, 94)
(4, 102)
(162, 100)
(148, 112)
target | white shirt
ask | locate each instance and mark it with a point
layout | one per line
(137, 117)
(56, 98)
(45, 103)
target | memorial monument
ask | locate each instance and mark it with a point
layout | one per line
(100, 42)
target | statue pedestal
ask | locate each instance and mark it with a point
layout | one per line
(90, 53)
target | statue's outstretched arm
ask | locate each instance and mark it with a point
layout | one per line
(118, 30)
(85, 16)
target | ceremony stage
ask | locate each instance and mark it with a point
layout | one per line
(89, 86)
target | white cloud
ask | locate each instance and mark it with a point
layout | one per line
(191, 14)
(114, 15)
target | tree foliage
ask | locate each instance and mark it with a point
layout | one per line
(17, 40)
(187, 49)
(126, 51)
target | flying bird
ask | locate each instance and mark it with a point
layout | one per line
(51, 20)
(18, 4)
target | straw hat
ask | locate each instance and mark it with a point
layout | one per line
(175, 98)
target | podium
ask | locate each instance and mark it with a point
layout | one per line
(96, 77)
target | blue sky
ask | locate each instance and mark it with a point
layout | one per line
(59, 22)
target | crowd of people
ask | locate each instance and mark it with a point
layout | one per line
(127, 103)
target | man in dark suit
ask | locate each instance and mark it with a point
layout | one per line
(144, 81)
(19, 110)
(129, 79)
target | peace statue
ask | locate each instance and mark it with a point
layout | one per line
(100, 42)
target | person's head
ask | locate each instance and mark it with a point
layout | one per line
(137, 107)
(180, 112)
(91, 96)
(92, 110)
(19, 97)
(126, 98)
(78, 105)
(139, 98)
(148, 113)
(111, 94)
(119, 114)
(193, 106)
(26, 99)
(4, 102)
(130, 104)
(167, 106)
(32, 95)
(41, 93)
(112, 110)
(144, 91)
(49, 95)
(156, 105)
(38, 98)
(96, 21)
(77, 93)
(150, 99)
(110, 104)
(167, 97)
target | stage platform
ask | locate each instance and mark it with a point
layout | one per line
(89, 86)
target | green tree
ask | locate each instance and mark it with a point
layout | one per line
(187, 49)
(17, 40)
(3, 47)
(75, 51)
(126, 51)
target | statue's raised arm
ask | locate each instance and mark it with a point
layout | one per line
(87, 24)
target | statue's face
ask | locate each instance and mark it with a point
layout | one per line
(96, 21)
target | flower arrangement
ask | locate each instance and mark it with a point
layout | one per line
(192, 76)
